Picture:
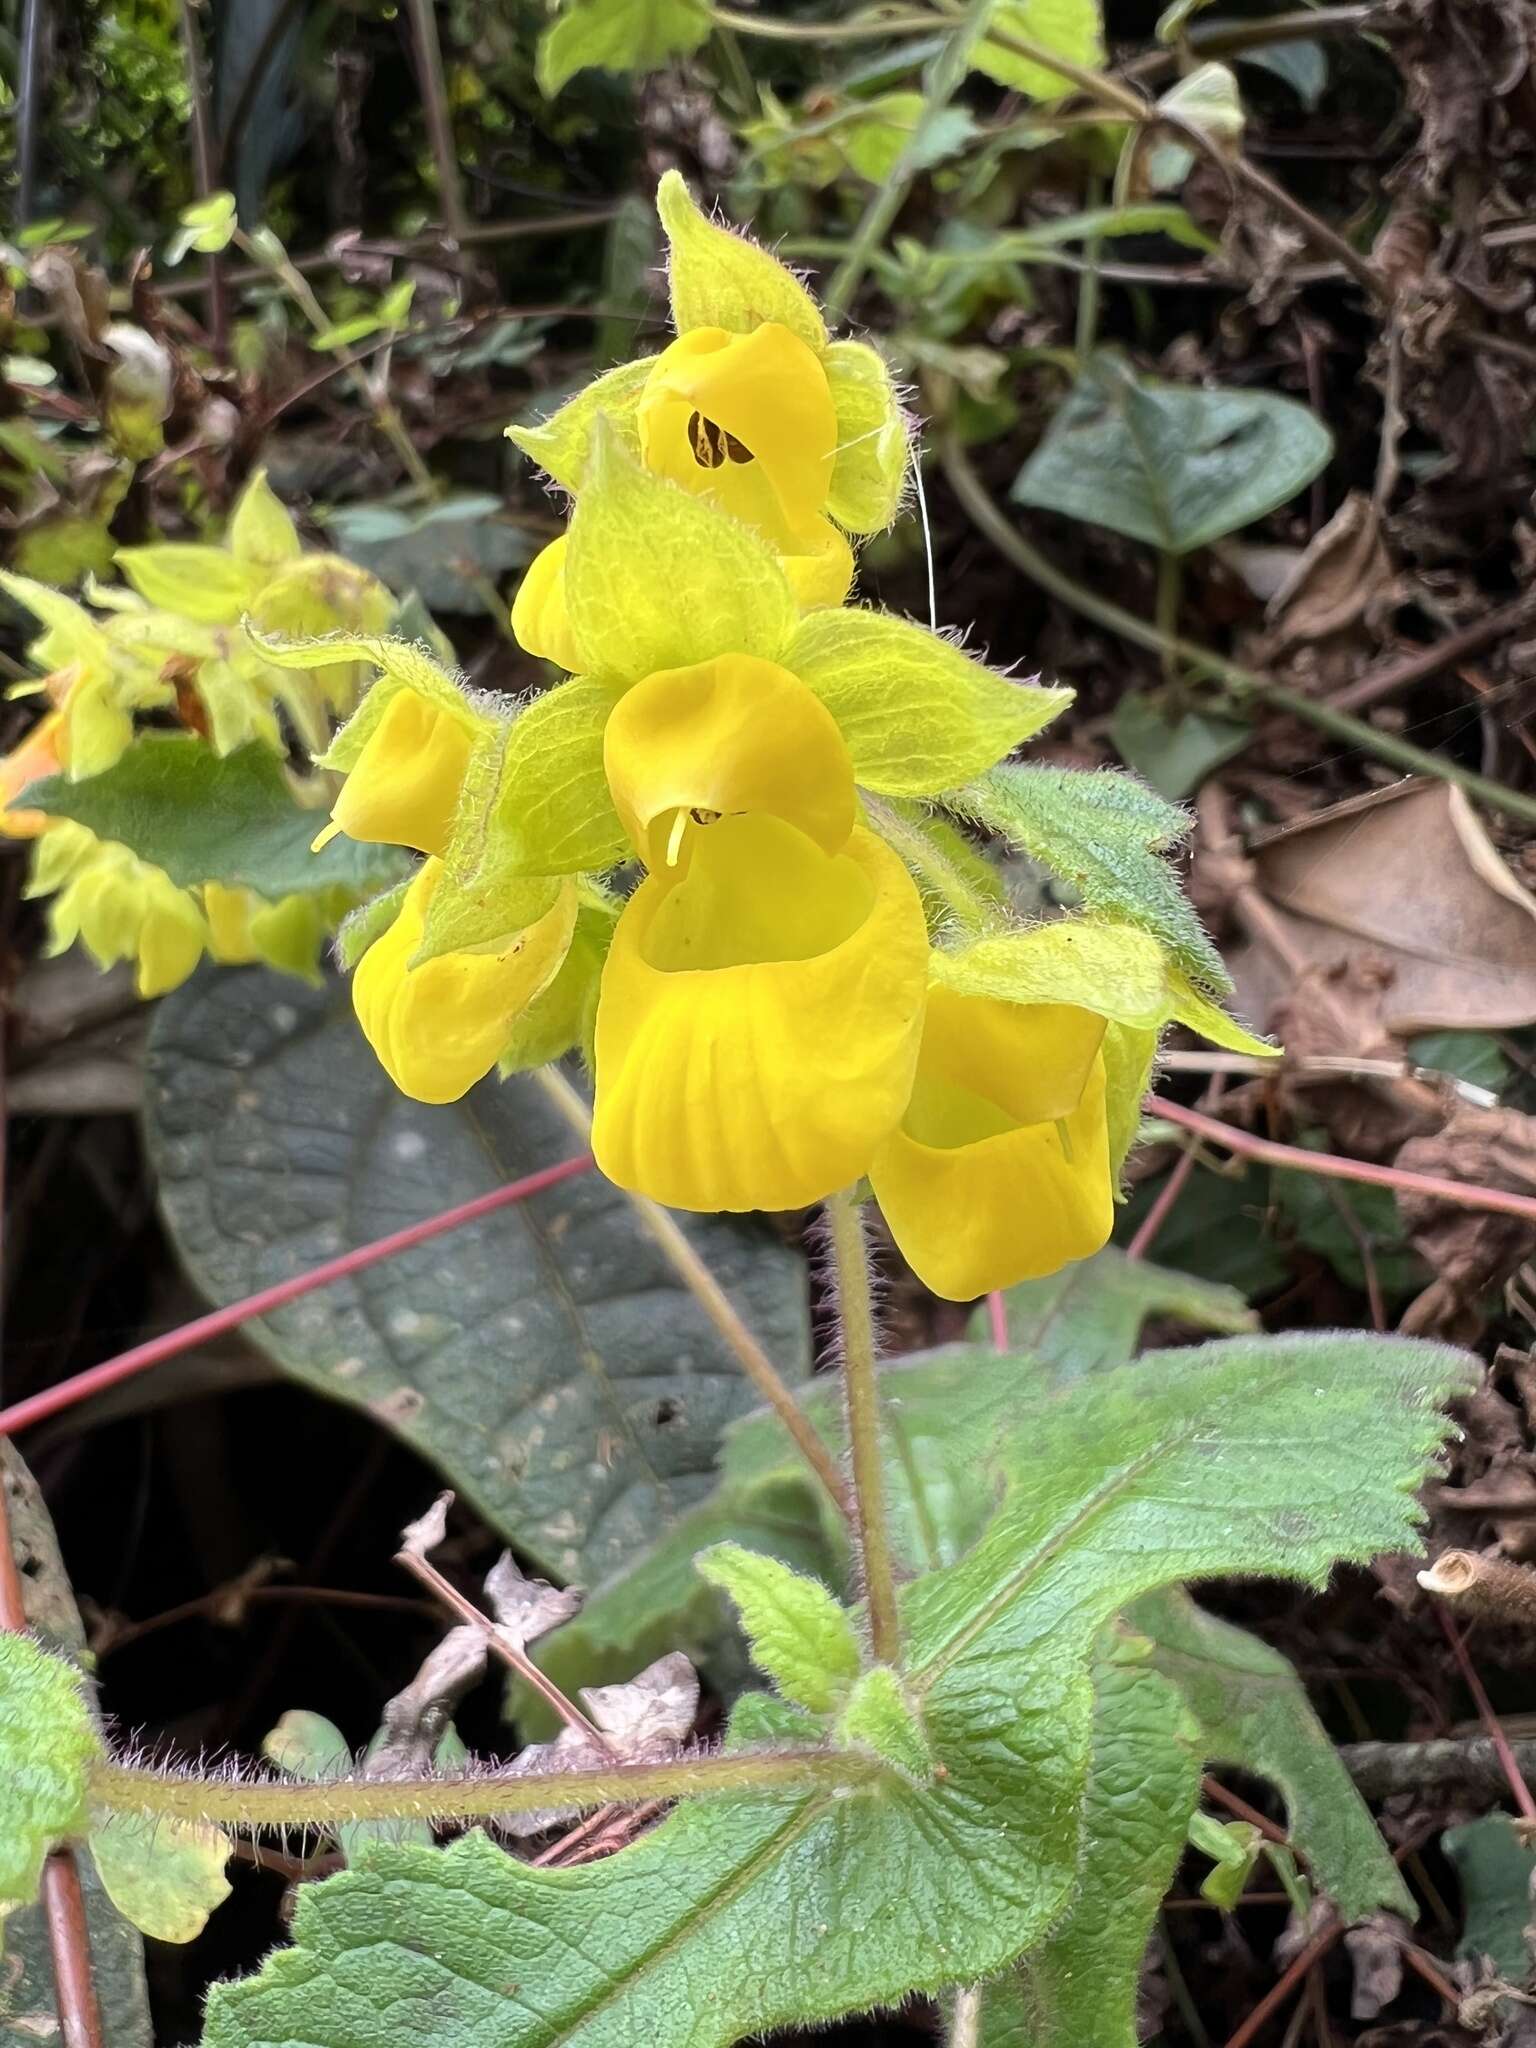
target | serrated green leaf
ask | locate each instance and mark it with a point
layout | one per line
(879, 1716)
(206, 817)
(1103, 833)
(559, 444)
(547, 1360)
(164, 1875)
(798, 1634)
(48, 1743)
(656, 578)
(618, 35)
(1073, 29)
(918, 713)
(1176, 466)
(1090, 1315)
(742, 1914)
(869, 473)
(721, 279)
(1252, 1711)
(554, 808)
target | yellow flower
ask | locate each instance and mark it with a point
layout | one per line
(440, 1026)
(41, 753)
(689, 745)
(404, 786)
(747, 420)
(120, 907)
(999, 1171)
(539, 618)
(759, 1019)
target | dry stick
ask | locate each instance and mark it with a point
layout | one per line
(203, 164)
(434, 99)
(1214, 1789)
(203, 1328)
(1377, 684)
(1490, 1587)
(1445, 1763)
(1284, 1985)
(1295, 1159)
(1519, 1789)
(1242, 682)
(850, 1258)
(515, 1659)
(665, 1231)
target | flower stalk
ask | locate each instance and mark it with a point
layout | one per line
(850, 1257)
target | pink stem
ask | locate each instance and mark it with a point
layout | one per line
(52, 1399)
(1298, 1159)
(997, 1316)
(1520, 1791)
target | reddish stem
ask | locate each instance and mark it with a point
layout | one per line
(1214, 1789)
(1298, 1159)
(24, 1413)
(1157, 1215)
(1283, 1986)
(1519, 1790)
(997, 1318)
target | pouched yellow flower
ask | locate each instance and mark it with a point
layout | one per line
(440, 1027)
(690, 745)
(745, 419)
(540, 621)
(999, 1171)
(759, 1019)
(41, 753)
(404, 787)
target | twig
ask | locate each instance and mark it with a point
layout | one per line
(1284, 1985)
(434, 100)
(945, 76)
(1377, 684)
(765, 25)
(706, 1290)
(850, 1260)
(203, 164)
(1464, 1764)
(1297, 1159)
(1242, 682)
(1214, 1789)
(22, 1414)
(1520, 1791)
(496, 1642)
(1492, 1587)
(29, 89)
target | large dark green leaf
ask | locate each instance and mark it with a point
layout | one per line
(1174, 465)
(210, 818)
(547, 1359)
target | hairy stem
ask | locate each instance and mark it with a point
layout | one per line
(1240, 681)
(944, 80)
(765, 25)
(965, 2019)
(706, 1290)
(275, 1803)
(850, 1258)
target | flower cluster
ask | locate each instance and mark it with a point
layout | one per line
(783, 1004)
(171, 647)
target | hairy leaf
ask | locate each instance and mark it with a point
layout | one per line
(1104, 833)
(618, 35)
(747, 1913)
(1175, 466)
(559, 444)
(547, 1360)
(1090, 1315)
(554, 807)
(722, 279)
(918, 713)
(1073, 29)
(870, 470)
(164, 1875)
(206, 818)
(798, 1634)
(47, 1745)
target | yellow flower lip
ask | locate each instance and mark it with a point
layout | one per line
(540, 622)
(438, 1028)
(404, 787)
(747, 419)
(1000, 1169)
(689, 745)
(759, 1019)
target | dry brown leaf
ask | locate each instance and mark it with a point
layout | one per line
(1376, 1959)
(1342, 580)
(1410, 873)
(1470, 1251)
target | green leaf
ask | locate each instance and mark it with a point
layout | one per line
(447, 552)
(164, 1875)
(1252, 1711)
(1470, 1055)
(618, 35)
(918, 713)
(554, 807)
(204, 817)
(656, 578)
(203, 583)
(1233, 1847)
(742, 1914)
(1073, 29)
(261, 531)
(1207, 100)
(1302, 65)
(797, 1633)
(1495, 1871)
(559, 444)
(1174, 754)
(879, 1716)
(1173, 465)
(1090, 1316)
(547, 1360)
(722, 279)
(869, 473)
(1103, 833)
(48, 1743)
(1219, 1229)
